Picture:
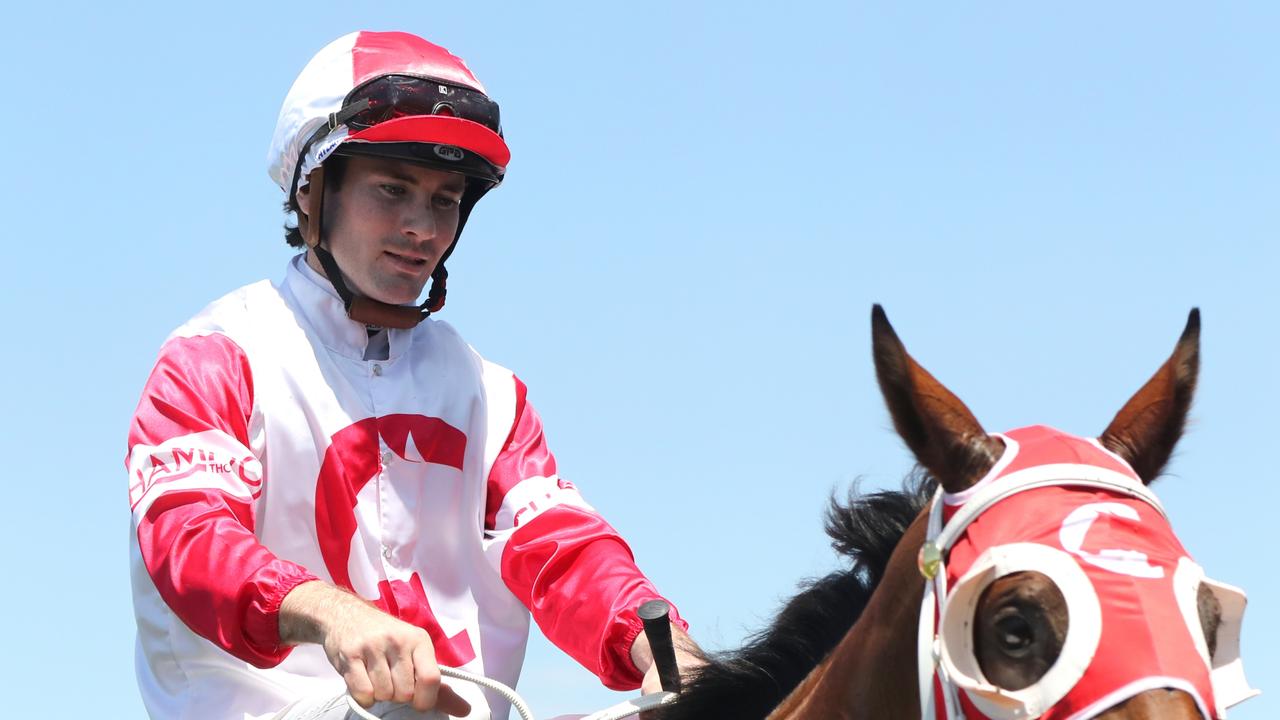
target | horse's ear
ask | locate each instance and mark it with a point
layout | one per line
(944, 435)
(1146, 429)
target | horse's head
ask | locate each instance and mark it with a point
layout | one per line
(1055, 587)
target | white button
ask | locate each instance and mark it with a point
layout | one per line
(377, 370)
(386, 552)
(387, 456)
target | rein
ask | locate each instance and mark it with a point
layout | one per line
(940, 537)
(624, 709)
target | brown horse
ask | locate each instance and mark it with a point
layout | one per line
(1019, 630)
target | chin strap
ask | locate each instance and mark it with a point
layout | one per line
(360, 308)
(367, 310)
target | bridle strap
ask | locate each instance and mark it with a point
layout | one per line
(926, 659)
(1040, 476)
(943, 537)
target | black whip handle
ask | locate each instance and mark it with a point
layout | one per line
(657, 628)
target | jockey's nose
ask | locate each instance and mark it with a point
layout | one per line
(420, 223)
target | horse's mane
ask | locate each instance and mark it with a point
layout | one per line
(750, 682)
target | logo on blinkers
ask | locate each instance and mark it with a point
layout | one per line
(449, 152)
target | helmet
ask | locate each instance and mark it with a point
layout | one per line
(388, 94)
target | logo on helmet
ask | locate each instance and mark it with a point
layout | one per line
(327, 148)
(449, 152)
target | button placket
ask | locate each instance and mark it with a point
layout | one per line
(386, 455)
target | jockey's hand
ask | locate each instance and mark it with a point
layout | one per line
(689, 657)
(381, 658)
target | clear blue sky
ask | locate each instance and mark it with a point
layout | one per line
(703, 202)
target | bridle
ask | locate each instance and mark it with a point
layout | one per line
(1114, 648)
(940, 537)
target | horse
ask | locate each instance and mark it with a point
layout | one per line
(979, 590)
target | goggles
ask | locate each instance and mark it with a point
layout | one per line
(390, 97)
(418, 120)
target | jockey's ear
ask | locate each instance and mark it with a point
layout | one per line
(1147, 428)
(944, 435)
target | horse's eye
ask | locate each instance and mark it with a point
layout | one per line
(1013, 632)
(1019, 627)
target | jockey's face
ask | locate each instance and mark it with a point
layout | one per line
(387, 225)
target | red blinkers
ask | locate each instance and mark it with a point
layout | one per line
(1066, 507)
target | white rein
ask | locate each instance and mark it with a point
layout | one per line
(615, 712)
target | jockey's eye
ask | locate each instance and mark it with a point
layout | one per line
(1020, 625)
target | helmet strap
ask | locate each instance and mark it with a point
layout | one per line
(475, 190)
(435, 296)
(360, 308)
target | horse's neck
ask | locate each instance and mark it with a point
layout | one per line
(872, 672)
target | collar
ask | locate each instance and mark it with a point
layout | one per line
(318, 304)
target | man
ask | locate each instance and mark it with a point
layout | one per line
(333, 494)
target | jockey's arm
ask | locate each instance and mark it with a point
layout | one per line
(566, 563)
(380, 657)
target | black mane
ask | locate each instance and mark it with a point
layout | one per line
(751, 682)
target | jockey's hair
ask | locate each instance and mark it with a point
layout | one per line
(335, 168)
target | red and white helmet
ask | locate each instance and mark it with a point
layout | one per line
(390, 94)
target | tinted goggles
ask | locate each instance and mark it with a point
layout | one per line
(396, 96)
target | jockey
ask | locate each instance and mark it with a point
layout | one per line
(333, 493)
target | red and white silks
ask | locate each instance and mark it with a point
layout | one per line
(266, 452)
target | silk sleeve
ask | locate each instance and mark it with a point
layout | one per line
(569, 566)
(193, 482)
